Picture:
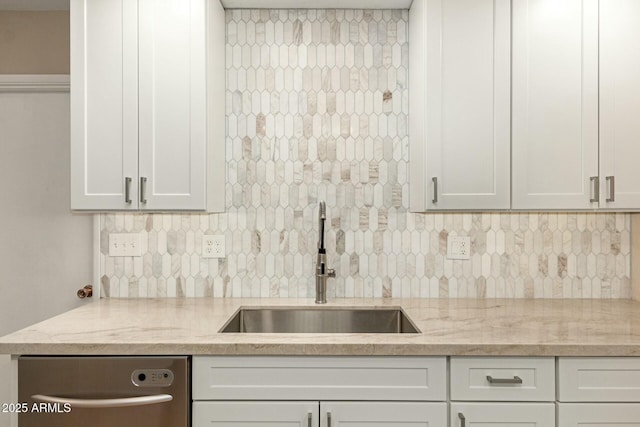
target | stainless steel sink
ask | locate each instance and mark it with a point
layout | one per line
(320, 320)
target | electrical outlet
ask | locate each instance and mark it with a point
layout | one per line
(458, 247)
(213, 246)
(124, 244)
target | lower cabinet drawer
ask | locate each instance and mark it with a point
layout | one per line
(599, 379)
(522, 379)
(465, 414)
(598, 414)
(319, 378)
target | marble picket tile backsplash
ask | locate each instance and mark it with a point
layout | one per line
(317, 109)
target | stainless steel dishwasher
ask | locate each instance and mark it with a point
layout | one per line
(104, 391)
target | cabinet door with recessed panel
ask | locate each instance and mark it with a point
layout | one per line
(460, 104)
(173, 105)
(619, 104)
(255, 414)
(598, 414)
(503, 414)
(104, 104)
(555, 104)
(383, 414)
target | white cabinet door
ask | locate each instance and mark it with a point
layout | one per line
(503, 415)
(173, 94)
(460, 107)
(255, 414)
(104, 109)
(383, 414)
(555, 104)
(619, 104)
(598, 414)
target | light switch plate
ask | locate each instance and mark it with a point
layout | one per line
(124, 244)
(458, 247)
(213, 246)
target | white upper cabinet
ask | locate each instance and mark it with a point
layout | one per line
(147, 105)
(460, 104)
(619, 104)
(555, 104)
(104, 123)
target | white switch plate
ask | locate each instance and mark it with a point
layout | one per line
(213, 246)
(458, 247)
(124, 244)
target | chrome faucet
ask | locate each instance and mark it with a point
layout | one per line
(322, 272)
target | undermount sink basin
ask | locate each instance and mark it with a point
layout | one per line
(320, 320)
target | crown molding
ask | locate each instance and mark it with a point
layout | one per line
(34, 83)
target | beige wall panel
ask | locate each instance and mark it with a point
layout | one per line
(34, 42)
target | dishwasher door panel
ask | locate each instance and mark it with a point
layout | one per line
(92, 381)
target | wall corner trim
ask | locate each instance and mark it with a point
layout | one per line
(34, 83)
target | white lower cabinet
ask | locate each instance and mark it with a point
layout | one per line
(312, 391)
(598, 414)
(501, 391)
(286, 378)
(586, 383)
(411, 391)
(383, 414)
(255, 414)
(464, 414)
(513, 379)
(316, 414)
(599, 379)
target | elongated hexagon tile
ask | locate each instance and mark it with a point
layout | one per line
(317, 109)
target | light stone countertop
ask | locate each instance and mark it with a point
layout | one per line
(449, 327)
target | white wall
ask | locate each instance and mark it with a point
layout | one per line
(45, 251)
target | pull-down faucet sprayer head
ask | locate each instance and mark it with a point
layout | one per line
(322, 217)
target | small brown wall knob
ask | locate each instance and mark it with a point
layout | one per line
(85, 292)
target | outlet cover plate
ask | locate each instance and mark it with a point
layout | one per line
(458, 247)
(213, 246)
(124, 244)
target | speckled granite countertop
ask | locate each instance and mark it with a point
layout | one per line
(449, 327)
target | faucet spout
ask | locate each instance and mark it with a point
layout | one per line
(322, 272)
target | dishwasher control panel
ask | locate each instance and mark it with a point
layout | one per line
(152, 377)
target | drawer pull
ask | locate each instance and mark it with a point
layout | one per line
(328, 419)
(309, 419)
(514, 380)
(463, 420)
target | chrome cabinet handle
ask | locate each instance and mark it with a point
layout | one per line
(105, 403)
(309, 419)
(328, 419)
(611, 180)
(595, 189)
(127, 190)
(435, 190)
(515, 380)
(463, 420)
(143, 187)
